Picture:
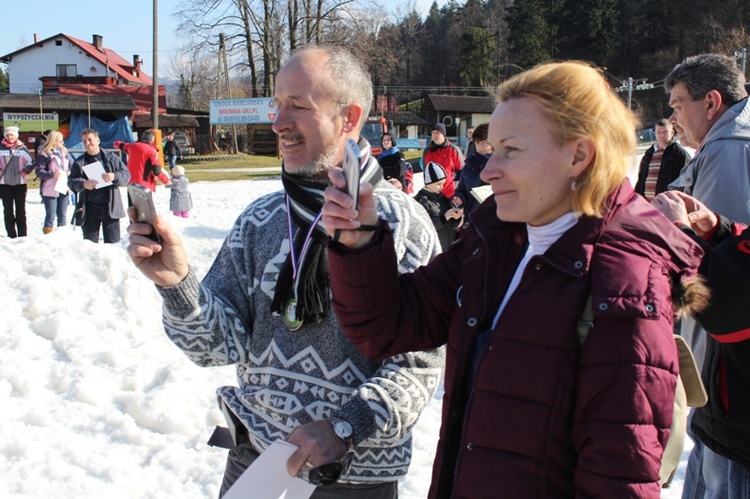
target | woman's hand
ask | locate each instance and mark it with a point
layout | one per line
(339, 213)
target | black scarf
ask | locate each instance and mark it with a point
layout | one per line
(305, 196)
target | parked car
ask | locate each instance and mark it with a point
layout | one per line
(180, 138)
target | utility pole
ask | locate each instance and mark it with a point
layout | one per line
(224, 71)
(41, 112)
(742, 56)
(630, 91)
(155, 104)
(633, 84)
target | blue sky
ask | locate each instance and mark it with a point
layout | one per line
(125, 26)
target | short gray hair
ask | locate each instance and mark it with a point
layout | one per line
(702, 73)
(351, 78)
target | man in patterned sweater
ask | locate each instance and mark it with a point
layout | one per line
(265, 304)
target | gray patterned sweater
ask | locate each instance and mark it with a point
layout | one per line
(290, 378)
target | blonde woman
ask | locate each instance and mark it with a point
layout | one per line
(53, 165)
(528, 411)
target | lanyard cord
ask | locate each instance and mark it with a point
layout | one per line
(297, 262)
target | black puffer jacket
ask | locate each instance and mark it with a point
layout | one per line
(723, 424)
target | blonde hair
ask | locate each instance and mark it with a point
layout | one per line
(49, 146)
(578, 103)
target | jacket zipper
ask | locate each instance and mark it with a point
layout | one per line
(462, 446)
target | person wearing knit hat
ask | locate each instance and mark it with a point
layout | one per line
(11, 129)
(433, 172)
(444, 216)
(439, 127)
(449, 156)
(15, 164)
(180, 201)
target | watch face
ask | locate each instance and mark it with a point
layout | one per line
(343, 429)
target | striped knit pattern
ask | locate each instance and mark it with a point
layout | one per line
(653, 174)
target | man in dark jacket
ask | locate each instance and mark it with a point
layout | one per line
(172, 150)
(98, 207)
(719, 465)
(662, 162)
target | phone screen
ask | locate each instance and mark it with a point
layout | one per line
(351, 169)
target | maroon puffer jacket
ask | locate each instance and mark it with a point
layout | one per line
(543, 417)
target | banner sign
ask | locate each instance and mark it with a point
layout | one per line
(242, 111)
(413, 143)
(32, 122)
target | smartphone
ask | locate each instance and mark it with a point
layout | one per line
(351, 169)
(142, 200)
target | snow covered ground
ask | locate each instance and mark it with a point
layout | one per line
(94, 400)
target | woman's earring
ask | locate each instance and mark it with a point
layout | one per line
(573, 184)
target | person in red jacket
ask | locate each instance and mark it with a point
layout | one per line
(449, 156)
(143, 161)
(528, 410)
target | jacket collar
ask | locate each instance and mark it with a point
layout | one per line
(573, 252)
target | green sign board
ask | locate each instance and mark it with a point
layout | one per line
(32, 122)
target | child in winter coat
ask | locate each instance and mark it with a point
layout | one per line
(180, 202)
(444, 216)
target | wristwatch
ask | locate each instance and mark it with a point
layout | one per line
(343, 429)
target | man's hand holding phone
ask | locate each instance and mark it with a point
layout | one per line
(163, 261)
(349, 205)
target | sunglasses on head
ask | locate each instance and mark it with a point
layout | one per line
(328, 473)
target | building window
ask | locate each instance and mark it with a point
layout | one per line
(58, 43)
(66, 70)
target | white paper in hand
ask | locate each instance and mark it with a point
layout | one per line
(61, 184)
(94, 171)
(267, 477)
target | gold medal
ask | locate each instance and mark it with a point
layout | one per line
(290, 316)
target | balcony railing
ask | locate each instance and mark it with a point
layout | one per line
(54, 82)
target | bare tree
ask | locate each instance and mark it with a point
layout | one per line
(196, 72)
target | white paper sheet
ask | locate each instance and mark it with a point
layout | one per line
(482, 192)
(61, 184)
(267, 477)
(94, 171)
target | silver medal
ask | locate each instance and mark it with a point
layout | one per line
(290, 316)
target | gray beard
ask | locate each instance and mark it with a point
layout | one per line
(322, 162)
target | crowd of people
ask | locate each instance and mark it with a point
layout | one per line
(90, 182)
(342, 319)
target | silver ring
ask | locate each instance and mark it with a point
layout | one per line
(308, 464)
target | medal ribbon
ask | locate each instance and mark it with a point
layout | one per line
(297, 262)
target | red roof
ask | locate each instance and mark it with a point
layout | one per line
(123, 68)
